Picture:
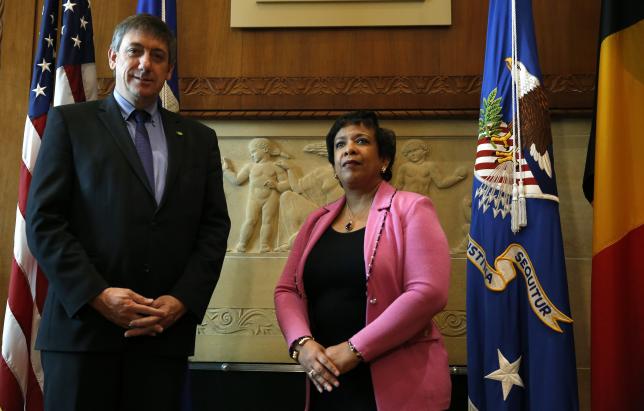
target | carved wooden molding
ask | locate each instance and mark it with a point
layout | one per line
(297, 86)
(1, 23)
(569, 84)
(238, 86)
(557, 86)
(343, 86)
(452, 323)
(293, 86)
(325, 115)
(239, 321)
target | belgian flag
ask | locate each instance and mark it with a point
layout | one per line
(614, 183)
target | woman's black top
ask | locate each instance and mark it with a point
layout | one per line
(335, 285)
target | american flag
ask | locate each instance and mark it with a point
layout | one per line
(21, 376)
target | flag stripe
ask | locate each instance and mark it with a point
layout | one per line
(22, 308)
(25, 264)
(23, 188)
(31, 140)
(616, 19)
(74, 81)
(90, 83)
(14, 352)
(10, 395)
(617, 333)
(63, 91)
(37, 124)
(619, 144)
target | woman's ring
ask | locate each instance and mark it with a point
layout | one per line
(312, 373)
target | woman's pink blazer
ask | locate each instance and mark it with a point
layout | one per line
(407, 288)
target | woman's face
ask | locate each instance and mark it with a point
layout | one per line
(356, 159)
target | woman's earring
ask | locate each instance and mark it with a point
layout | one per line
(383, 170)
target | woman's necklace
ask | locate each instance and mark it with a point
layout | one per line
(352, 217)
(349, 225)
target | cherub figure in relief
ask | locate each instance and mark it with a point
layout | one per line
(418, 173)
(309, 191)
(266, 181)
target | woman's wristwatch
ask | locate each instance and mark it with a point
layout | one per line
(299, 343)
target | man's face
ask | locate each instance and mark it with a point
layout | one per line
(141, 67)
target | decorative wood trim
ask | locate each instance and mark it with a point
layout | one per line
(343, 86)
(308, 86)
(388, 115)
(325, 115)
(292, 86)
(570, 84)
(560, 87)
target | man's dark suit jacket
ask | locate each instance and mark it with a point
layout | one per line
(93, 222)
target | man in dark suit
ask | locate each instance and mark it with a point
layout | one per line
(128, 220)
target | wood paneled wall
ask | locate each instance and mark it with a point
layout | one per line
(403, 72)
(287, 73)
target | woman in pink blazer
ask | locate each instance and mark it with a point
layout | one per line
(363, 281)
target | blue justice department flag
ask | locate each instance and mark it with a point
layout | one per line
(519, 328)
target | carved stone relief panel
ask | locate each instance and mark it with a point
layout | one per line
(439, 168)
(271, 190)
(272, 184)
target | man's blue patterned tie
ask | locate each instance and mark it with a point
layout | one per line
(142, 143)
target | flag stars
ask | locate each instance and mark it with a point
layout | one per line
(83, 22)
(62, 30)
(77, 41)
(51, 17)
(507, 374)
(40, 91)
(69, 6)
(44, 66)
(49, 40)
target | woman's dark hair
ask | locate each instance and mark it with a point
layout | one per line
(385, 138)
(387, 149)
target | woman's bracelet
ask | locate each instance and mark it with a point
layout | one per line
(293, 351)
(355, 350)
